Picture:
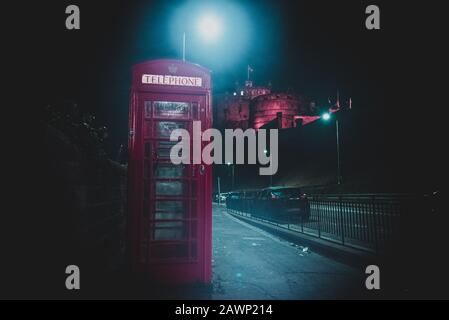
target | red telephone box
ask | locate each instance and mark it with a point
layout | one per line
(170, 206)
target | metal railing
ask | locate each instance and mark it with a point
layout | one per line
(363, 221)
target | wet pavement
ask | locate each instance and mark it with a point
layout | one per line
(249, 263)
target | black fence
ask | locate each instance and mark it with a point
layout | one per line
(363, 221)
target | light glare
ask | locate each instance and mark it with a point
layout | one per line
(210, 27)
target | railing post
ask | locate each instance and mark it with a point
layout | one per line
(319, 218)
(340, 207)
(373, 207)
(302, 223)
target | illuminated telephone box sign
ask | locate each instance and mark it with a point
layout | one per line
(170, 206)
(169, 80)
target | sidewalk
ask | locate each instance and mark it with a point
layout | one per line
(249, 263)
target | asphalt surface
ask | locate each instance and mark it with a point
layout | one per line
(249, 263)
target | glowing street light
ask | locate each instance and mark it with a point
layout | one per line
(326, 116)
(209, 27)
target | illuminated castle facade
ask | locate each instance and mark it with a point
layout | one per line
(257, 107)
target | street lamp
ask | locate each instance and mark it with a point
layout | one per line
(232, 170)
(326, 116)
(209, 27)
(271, 175)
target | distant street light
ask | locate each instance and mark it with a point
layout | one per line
(326, 116)
(232, 170)
(271, 175)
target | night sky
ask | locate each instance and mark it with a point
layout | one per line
(307, 47)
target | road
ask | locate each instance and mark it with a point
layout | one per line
(249, 263)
